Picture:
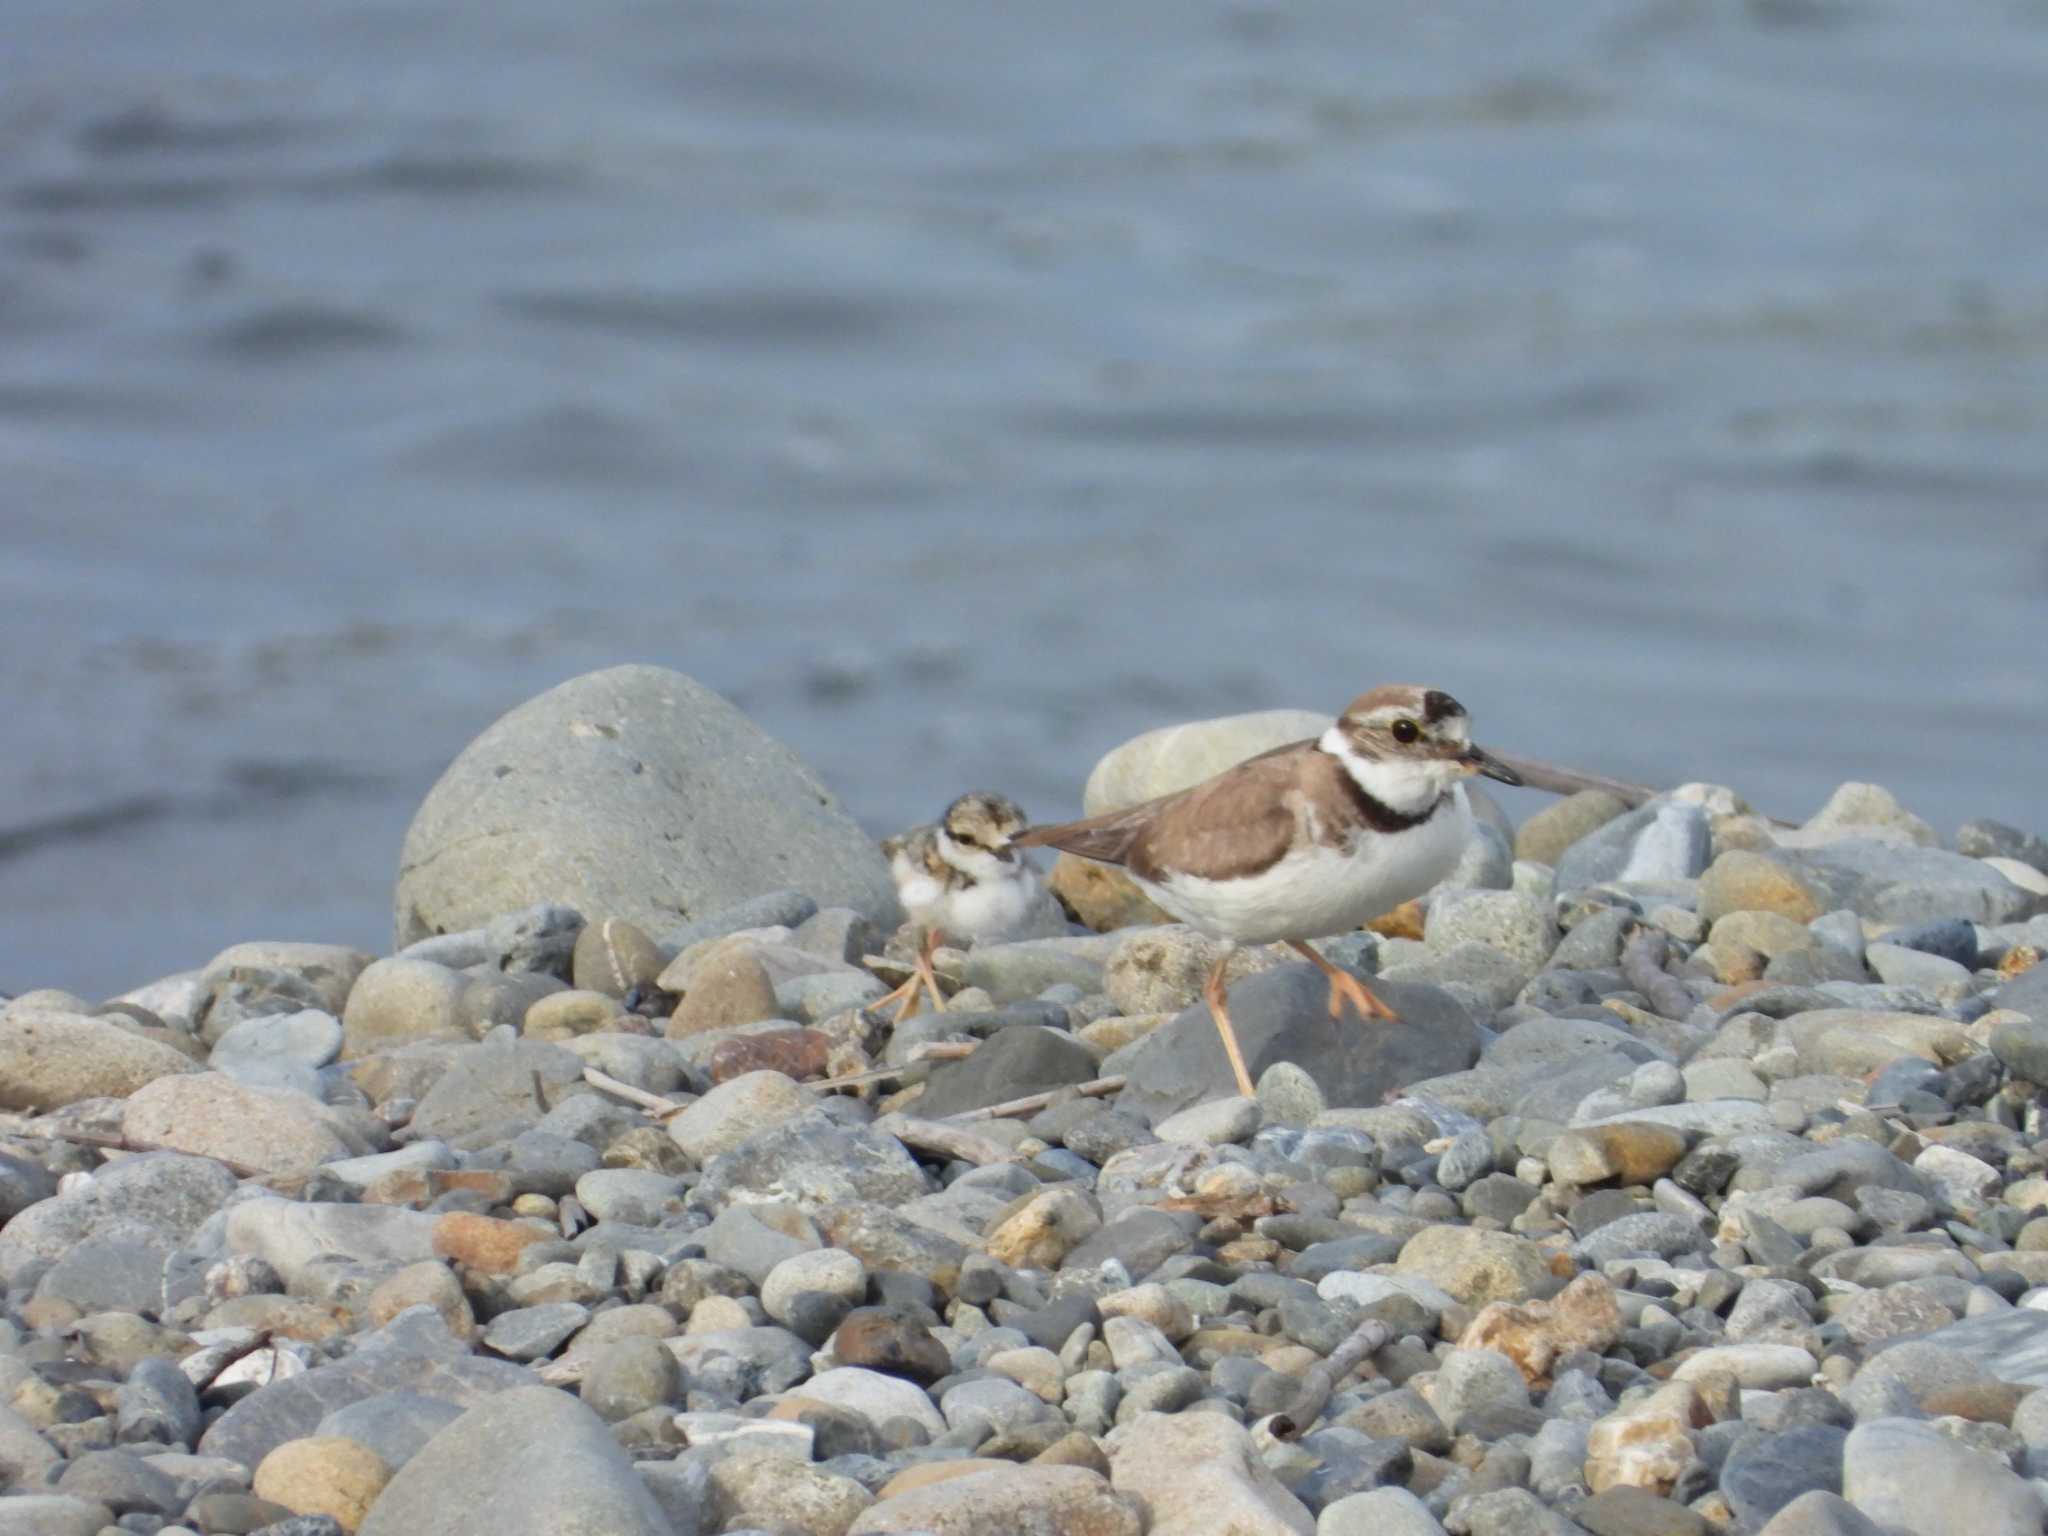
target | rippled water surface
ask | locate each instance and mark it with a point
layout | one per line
(962, 392)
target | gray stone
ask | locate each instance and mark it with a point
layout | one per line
(280, 1050)
(1987, 839)
(1594, 944)
(1898, 966)
(167, 1192)
(1909, 1475)
(1820, 1514)
(157, 1402)
(396, 1425)
(538, 938)
(1661, 840)
(1764, 1474)
(628, 1376)
(782, 908)
(122, 1481)
(390, 1361)
(1378, 1512)
(741, 1363)
(568, 1478)
(1015, 1061)
(497, 1090)
(1468, 1158)
(50, 1058)
(49, 1514)
(531, 1333)
(1652, 1232)
(633, 793)
(1140, 1240)
(2026, 993)
(118, 1269)
(2022, 1046)
(1517, 925)
(1895, 883)
(2013, 1346)
(1952, 939)
(1011, 973)
(1176, 757)
(813, 1161)
(22, 1184)
(1283, 1015)
(1911, 1370)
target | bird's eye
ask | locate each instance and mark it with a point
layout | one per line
(1407, 732)
(966, 840)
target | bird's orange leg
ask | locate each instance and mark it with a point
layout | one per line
(1345, 988)
(923, 979)
(1212, 994)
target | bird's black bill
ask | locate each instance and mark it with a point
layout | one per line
(1479, 760)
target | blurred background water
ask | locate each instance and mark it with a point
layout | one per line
(962, 391)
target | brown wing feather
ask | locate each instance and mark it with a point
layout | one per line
(1237, 823)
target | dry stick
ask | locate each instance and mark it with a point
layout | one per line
(1323, 1377)
(1033, 1103)
(654, 1102)
(1642, 966)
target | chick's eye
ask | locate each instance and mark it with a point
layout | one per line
(1407, 732)
(966, 840)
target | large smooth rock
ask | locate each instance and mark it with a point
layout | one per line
(1017, 1060)
(530, 1462)
(1899, 883)
(210, 1114)
(1908, 1476)
(168, 1193)
(631, 793)
(2013, 1346)
(49, 1059)
(1283, 1015)
(1202, 1472)
(294, 1237)
(396, 1361)
(1175, 757)
(493, 1092)
(52, 1514)
(1018, 1501)
(813, 1161)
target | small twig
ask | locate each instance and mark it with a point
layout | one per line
(654, 1103)
(1323, 1377)
(1033, 1103)
(1642, 966)
(129, 1144)
(943, 1139)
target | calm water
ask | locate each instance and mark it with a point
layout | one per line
(962, 393)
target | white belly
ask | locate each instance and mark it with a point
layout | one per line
(1320, 891)
(993, 911)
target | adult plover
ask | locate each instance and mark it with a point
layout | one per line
(1304, 841)
(963, 881)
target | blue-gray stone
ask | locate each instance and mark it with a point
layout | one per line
(1283, 1014)
(1895, 883)
(157, 1403)
(1766, 1472)
(393, 1424)
(529, 1462)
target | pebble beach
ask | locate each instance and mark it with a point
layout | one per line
(1701, 1189)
